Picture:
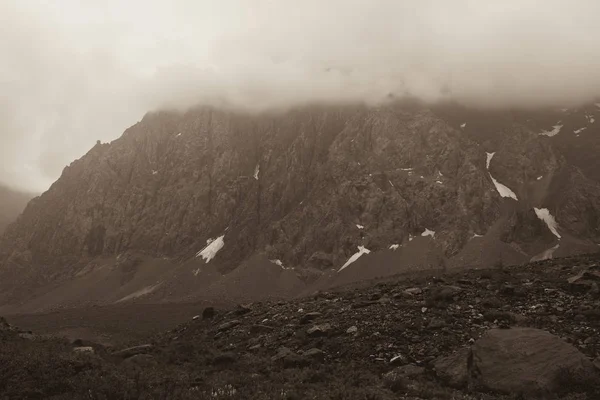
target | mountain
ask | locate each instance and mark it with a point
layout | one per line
(176, 206)
(12, 203)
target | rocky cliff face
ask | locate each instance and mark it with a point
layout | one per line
(306, 188)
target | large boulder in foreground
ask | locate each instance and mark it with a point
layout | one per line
(527, 360)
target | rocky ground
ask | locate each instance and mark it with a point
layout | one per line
(520, 332)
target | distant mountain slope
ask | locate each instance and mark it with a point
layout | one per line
(307, 187)
(12, 203)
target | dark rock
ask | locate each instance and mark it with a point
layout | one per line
(132, 351)
(314, 353)
(281, 353)
(597, 363)
(525, 360)
(319, 330)
(395, 381)
(398, 360)
(308, 317)
(228, 325)
(436, 323)
(243, 309)
(208, 313)
(363, 304)
(259, 328)
(289, 359)
(409, 370)
(453, 370)
(507, 290)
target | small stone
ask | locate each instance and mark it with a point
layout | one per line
(398, 360)
(413, 291)
(352, 329)
(259, 328)
(319, 330)
(228, 325)
(84, 349)
(195, 317)
(436, 323)
(424, 310)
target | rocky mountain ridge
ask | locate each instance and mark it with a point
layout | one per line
(403, 186)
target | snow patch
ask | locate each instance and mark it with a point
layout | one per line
(463, 125)
(256, 171)
(211, 249)
(154, 172)
(179, 134)
(361, 250)
(539, 177)
(391, 183)
(488, 160)
(503, 190)
(394, 247)
(410, 237)
(546, 254)
(597, 105)
(439, 182)
(428, 232)
(140, 293)
(476, 236)
(544, 215)
(406, 169)
(277, 262)
(360, 226)
(556, 129)
(578, 131)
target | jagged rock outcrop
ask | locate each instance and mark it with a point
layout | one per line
(305, 187)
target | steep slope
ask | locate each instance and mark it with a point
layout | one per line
(12, 203)
(306, 187)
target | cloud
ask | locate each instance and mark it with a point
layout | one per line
(80, 70)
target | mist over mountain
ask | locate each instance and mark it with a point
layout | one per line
(84, 71)
(12, 203)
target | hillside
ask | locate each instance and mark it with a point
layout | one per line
(530, 331)
(180, 201)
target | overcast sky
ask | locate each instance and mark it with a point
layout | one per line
(75, 71)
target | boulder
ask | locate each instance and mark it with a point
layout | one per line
(132, 351)
(453, 370)
(526, 360)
